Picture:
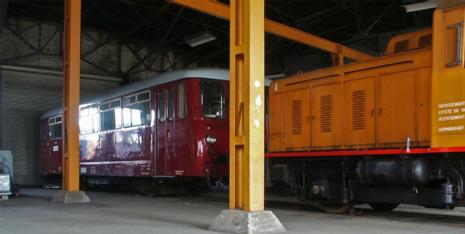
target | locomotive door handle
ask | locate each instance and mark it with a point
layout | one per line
(380, 110)
(459, 44)
(168, 134)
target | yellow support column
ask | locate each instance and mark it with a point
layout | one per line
(247, 72)
(70, 136)
(246, 124)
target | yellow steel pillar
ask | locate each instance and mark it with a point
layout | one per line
(247, 71)
(70, 136)
(246, 123)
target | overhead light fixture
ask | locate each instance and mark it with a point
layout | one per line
(200, 39)
(420, 6)
(275, 76)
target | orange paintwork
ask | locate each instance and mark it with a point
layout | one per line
(72, 56)
(448, 81)
(381, 103)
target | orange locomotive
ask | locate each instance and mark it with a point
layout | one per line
(384, 131)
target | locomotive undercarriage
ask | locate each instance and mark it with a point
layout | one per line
(429, 180)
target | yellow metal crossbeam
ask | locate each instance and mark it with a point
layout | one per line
(221, 10)
(72, 56)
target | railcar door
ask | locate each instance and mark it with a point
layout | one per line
(164, 130)
(170, 130)
(44, 151)
(160, 129)
(54, 143)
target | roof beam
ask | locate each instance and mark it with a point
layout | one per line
(221, 10)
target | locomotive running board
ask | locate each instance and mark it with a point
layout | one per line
(371, 152)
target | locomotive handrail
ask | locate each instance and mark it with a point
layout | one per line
(459, 44)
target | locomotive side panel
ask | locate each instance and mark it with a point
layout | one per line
(297, 119)
(395, 115)
(383, 103)
(359, 97)
(423, 105)
(276, 130)
(326, 118)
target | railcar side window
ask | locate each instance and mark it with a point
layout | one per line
(89, 120)
(171, 104)
(161, 106)
(110, 115)
(213, 99)
(136, 110)
(182, 102)
(54, 126)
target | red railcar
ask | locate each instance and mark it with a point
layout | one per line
(173, 127)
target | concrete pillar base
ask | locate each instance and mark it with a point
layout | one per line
(239, 221)
(71, 197)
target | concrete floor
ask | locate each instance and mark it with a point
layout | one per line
(130, 214)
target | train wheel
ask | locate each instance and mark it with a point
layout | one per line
(383, 206)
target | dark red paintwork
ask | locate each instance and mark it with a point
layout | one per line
(173, 148)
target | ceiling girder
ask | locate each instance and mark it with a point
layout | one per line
(222, 11)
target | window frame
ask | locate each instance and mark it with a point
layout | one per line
(160, 93)
(182, 113)
(136, 98)
(225, 96)
(97, 108)
(170, 93)
(100, 111)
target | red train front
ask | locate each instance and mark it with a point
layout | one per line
(171, 128)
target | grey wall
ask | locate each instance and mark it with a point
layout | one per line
(24, 97)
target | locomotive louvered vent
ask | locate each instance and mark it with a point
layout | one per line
(425, 41)
(358, 110)
(326, 113)
(401, 46)
(297, 117)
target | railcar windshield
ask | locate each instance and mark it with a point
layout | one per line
(54, 125)
(213, 99)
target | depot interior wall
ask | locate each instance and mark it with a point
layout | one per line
(24, 97)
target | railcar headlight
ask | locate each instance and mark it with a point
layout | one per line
(211, 139)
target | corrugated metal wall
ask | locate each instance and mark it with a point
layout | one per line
(24, 97)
